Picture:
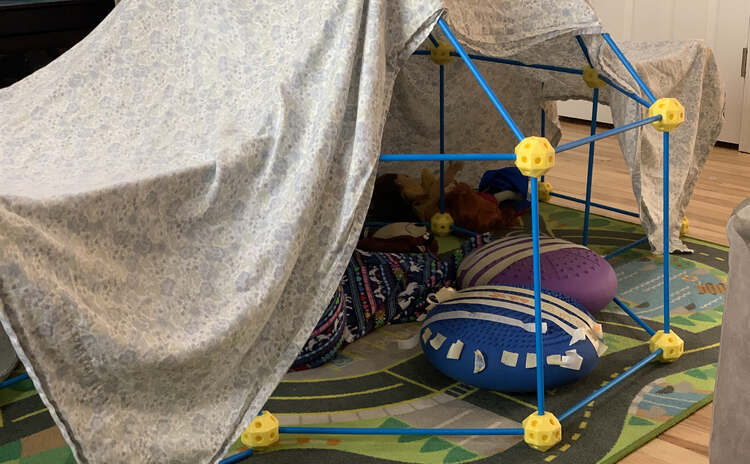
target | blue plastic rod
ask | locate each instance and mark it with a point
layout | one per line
(590, 171)
(629, 67)
(396, 431)
(633, 316)
(433, 40)
(609, 81)
(237, 457)
(611, 384)
(442, 138)
(543, 128)
(584, 49)
(546, 67)
(14, 380)
(665, 214)
(625, 92)
(492, 59)
(449, 157)
(537, 296)
(595, 205)
(607, 133)
(625, 248)
(493, 98)
(463, 231)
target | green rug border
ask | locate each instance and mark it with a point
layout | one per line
(637, 444)
(698, 241)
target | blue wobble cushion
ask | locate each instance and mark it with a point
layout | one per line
(485, 336)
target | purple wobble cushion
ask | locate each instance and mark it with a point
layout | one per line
(567, 268)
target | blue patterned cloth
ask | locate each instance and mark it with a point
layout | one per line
(380, 288)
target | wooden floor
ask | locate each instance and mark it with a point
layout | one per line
(722, 185)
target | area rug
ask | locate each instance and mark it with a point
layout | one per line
(374, 383)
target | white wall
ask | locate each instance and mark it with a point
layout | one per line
(723, 24)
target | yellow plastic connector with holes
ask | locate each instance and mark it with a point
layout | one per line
(440, 224)
(670, 343)
(591, 78)
(542, 432)
(545, 191)
(534, 156)
(672, 114)
(684, 226)
(442, 53)
(263, 431)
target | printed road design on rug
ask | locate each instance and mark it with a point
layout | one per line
(373, 383)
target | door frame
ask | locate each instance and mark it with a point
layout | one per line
(744, 145)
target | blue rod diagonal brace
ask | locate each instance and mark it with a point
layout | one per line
(442, 138)
(237, 457)
(595, 205)
(635, 97)
(633, 316)
(493, 98)
(463, 231)
(665, 214)
(537, 296)
(14, 380)
(449, 157)
(629, 67)
(590, 169)
(585, 50)
(611, 384)
(397, 431)
(433, 40)
(607, 133)
(625, 248)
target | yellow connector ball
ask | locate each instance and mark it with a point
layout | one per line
(672, 114)
(534, 156)
(442, 53)
(591, 78)
(440, 224)
(542, 432)
(684, 226)
(545, 191)
(670, 343)
(262, 431)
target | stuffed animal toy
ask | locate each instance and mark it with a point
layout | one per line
(473, 211)
(478, 212)
(388, 204)
(425, 195)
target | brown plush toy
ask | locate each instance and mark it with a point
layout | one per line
(472, 211)
(425, 195)
(469, 209)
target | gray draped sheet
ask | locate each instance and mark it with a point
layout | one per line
(730, 430)
(181, 191)
(179, 196)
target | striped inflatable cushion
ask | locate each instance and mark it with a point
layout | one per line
(566, 267)
(485, 336)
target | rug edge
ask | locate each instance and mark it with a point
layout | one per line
(637, 444)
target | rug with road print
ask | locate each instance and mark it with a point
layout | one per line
(373, 383)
